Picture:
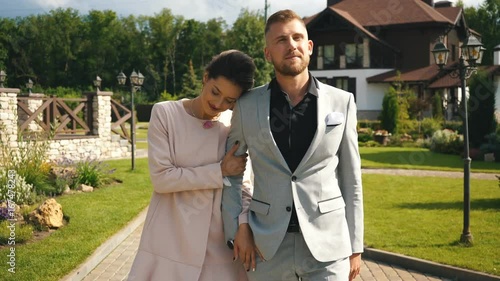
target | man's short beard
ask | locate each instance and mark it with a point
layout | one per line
(292, 70)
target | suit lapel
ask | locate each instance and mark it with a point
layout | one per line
(263, 107)
(324, 106)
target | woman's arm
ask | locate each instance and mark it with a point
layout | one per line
(165, 176)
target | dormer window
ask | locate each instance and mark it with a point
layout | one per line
(354, 55)
(326, 57)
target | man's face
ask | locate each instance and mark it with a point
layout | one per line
(288, 47)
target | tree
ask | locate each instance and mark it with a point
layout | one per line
(437, 106)
(486, 19)
(481, 108)
(390, 111)
(191, 85)
(247, 35)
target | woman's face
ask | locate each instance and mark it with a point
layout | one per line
(218, 95)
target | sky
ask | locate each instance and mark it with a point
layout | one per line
(200, 10)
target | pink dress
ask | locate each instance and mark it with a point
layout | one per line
(183, 237)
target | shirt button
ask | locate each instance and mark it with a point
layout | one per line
(294, 178)
(288, 208)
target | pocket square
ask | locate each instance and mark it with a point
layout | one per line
(334, 118)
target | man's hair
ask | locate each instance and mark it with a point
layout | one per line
(282, 16)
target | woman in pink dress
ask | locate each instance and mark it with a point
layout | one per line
(183, 237)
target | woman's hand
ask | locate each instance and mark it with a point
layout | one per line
(245, 248)
(232, 165)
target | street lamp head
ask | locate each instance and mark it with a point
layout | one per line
(481, 53)
(97, 82)
(471, 49)
(140, 79)
(29, 85)
(3, 75)
(134, 78)
(440, 53)
(121, 78)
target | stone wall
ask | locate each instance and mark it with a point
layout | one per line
(101, 144)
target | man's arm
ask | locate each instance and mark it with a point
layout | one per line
(350, 178)
(231, 195)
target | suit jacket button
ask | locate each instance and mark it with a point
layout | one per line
(294, 178)
(288, 208)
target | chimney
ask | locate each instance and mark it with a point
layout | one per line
(332, 2)
(442, 4)
(429, 2)
(496, 55)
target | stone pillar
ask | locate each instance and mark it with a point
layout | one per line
(101, 116)
(8, 117)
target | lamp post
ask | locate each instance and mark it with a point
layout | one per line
(29, 85)
(97, 83)
(136, 80)
(472, 53)
(2, 78)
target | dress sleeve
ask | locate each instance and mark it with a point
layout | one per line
(165, 176)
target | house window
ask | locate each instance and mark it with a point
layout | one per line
(326, 56)
(354, 55)
(453, 53)
(345, 83)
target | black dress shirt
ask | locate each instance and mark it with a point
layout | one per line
(293, 128)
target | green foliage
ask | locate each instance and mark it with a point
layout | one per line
(481, 108)
(372, 124)
(247, 35)
(92, 172)
(191, 85)
(492, 145)
(28, 160)
(429, 126)
(437, 106)
(390, 111)
(166, 96)
(13, 187)
(23, 232)
(446, 141)
(485, 19)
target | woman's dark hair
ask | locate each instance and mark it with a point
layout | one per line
(235, 66)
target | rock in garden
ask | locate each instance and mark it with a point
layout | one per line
(49, 214)
(85, 188)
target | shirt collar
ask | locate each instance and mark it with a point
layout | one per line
(313, 87)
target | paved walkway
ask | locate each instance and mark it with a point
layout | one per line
(116, 266)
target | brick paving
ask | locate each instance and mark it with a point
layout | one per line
(116, 265)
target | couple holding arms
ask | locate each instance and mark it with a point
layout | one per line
(296, 214)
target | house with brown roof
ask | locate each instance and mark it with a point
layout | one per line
(363, 46)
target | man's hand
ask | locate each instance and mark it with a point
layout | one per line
(245, 248)
(355, 261)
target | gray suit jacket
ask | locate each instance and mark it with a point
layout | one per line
(326, 186)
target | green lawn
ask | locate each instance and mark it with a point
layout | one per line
(422, 217)
(419, 158)
(93, 218)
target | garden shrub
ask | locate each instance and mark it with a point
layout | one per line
(14, 187)
(429, 126)
(446, 141)
(390, 111)
(371, 124)
(92, 172)
(457, 126)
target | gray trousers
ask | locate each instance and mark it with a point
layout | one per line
(294, 262)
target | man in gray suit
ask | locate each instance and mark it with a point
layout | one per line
(306, 213)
